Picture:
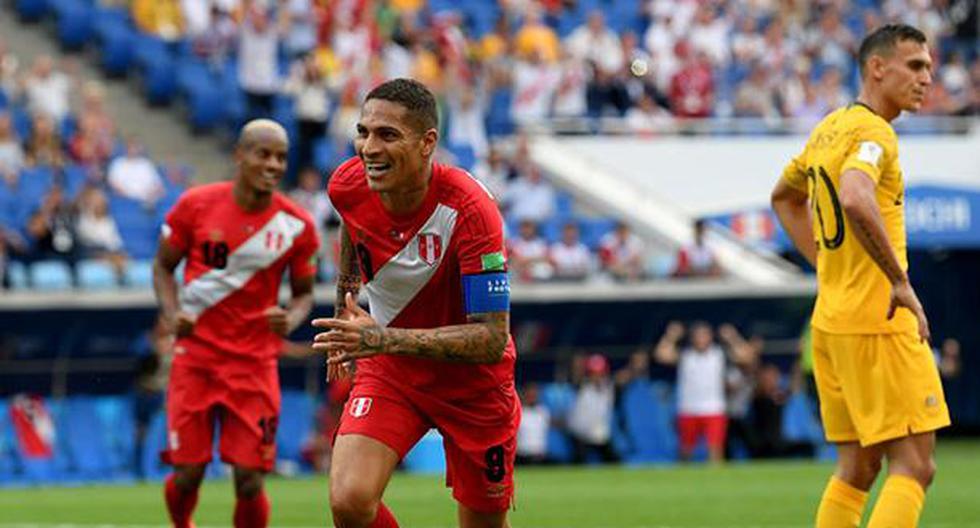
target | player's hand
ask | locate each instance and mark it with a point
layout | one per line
(904, 295)
(355, 335)
(278, 322)
(181, 324)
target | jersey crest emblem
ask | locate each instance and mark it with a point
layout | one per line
(430, 247)
(360, 407)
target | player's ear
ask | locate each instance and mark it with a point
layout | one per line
(876, 67)
(429, 140)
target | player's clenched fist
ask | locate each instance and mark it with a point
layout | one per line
(278, 322)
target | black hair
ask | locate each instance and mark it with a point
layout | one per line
(884, 39)
(414, 97)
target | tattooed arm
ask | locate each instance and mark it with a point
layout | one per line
(482, 340)
(348, 275)
(857, 196)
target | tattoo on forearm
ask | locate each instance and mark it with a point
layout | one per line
(877, 249)
(348, 276)
(373, 338)
(477, 342)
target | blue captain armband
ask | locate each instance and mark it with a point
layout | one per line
(486, 292)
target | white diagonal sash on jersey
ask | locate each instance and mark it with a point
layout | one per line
(253, 256)
(402, 277)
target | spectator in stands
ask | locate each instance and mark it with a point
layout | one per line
(301, 38)
(661, 40)
(530, 197)
(258, 62)
(310, 196)
(529, 254)
(310, 91)
(590, 420)
(767, 419)
(52, 228)
(832, 90)
(830, 41)
(700, 385)
(213, 34)
(493, 172)
(94, 111)
(570, 258)
(44, 145)
(161, 18)
(97, 232)
(697, 259)
(11, 153)
(134, 176)
(747, 42)
(534, 40)
(89, 146)
(532, 435)
(534, 84)
(47, 89)
(692, 89)
(343, 122)
(571, 96)
(955, 79)
(756, 97)
(621, 254)
(740, 388)
(600, 47)
(709, 34)
(465, 126)
(8, 74)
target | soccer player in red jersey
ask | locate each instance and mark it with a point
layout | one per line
(237, 240)
(435, 350)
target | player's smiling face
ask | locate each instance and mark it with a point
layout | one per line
(263, 162)
(907, 75)
(395, 153)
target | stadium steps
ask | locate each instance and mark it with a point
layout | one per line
(161, 129)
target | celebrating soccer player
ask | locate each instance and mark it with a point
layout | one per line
(435, 350)
(880, 394)
(237, 239)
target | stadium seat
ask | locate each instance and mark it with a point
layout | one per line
(295, 423)
(50, 275)
(115, 45)
(75, 178)
(96, 275)
(31, 10)
(74, 22)
(648, 424)
(428, 455)
(84, 439)
(139, 274)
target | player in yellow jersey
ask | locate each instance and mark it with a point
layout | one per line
(841, 202)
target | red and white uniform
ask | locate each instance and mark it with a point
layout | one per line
(413, 268)
(234, 264)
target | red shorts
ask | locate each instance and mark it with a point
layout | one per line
(245, 406)
(691, 428)
(479, 435)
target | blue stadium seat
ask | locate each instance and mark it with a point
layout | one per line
(593, 229)
(295, 424)
(74, 22)
(138, 227)
(465, 156)
(6, 444)
(647, 420)
(50, 275)
(75, 178)
(115, 44)
(116, 417)
(498, 119)
(96, 275)
(428, 455)
(31, 10)
(139, 274)
(84, 439)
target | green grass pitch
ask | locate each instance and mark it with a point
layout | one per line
(739, 495)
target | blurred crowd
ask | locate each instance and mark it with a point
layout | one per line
(702, 392)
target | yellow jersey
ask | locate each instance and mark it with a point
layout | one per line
(853, 293)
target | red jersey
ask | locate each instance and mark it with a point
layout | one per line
(234, 266)
(413, 266)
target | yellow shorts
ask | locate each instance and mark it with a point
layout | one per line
(876, 387)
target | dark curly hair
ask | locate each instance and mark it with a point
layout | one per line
(412, 95)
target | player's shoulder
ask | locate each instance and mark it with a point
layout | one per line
(208, 193)
(349, 175)
(462, 190)
(862, 120)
